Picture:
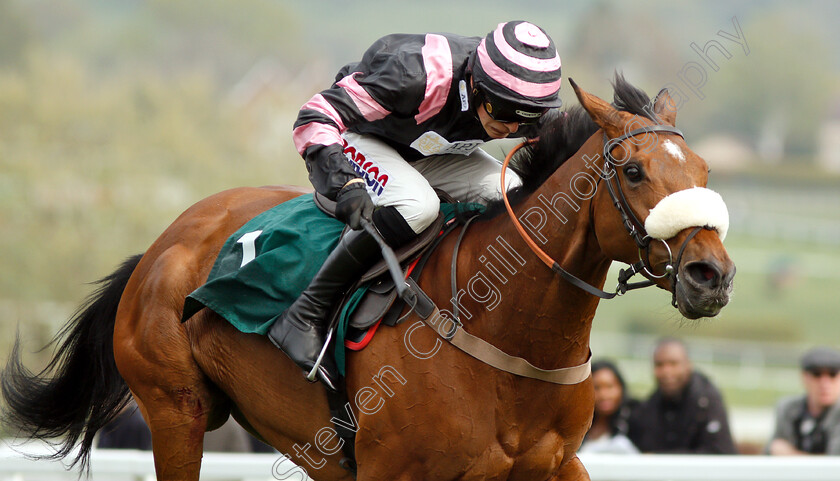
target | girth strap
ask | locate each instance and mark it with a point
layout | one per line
(493, 356)
(338, 403)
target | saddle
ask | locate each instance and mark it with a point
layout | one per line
(379, 299)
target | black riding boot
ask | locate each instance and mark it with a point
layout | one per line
(300, 330)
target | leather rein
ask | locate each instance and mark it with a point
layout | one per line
(635, 228)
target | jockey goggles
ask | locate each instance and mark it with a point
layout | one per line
(506, 112)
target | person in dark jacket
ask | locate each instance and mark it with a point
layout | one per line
(407, 118)
(686, 414)
(810, 423)
(127, 431)
(613, 408)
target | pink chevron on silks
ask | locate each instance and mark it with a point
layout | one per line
(437, 60)
(320, 104)
(315, 133)
(371, 109)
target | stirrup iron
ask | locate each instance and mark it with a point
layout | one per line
(313, 374)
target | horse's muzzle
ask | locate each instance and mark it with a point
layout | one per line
(704, 288)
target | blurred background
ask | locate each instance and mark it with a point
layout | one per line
(115, 116)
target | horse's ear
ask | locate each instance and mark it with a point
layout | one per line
(665, 107)
(604, 114)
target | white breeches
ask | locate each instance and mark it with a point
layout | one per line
(409, 187)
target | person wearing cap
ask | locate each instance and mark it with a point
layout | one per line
(408, 118)
(810, 423)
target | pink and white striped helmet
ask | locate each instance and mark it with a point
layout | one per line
(518, 63)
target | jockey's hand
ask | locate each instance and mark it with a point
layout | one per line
(353, 204)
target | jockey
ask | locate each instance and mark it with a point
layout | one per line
(406, 119)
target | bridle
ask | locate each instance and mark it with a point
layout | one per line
(635, 228)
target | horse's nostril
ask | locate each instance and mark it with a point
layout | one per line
(704, 274)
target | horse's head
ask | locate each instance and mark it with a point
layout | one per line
(656, 208)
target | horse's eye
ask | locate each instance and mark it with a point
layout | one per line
(633, 172)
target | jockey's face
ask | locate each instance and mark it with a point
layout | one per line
(494, 128)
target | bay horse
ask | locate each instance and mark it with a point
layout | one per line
(422, 409)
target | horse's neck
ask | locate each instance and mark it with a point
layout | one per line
(540, 316)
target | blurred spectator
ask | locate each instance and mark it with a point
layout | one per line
(685, 414)
(613, 406)
(229, 438)
(127, 431)
(258, 446)
(810, 424)
(130, 431)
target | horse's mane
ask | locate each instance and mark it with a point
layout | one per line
(561, 134)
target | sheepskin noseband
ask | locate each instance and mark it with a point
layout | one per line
(693, 207)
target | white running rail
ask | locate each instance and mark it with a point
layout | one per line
(128, 465)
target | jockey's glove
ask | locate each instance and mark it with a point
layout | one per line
(353, 204)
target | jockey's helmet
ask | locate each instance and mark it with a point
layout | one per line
(516, 72)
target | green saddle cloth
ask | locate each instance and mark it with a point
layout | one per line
(266, 264)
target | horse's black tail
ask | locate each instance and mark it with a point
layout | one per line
(80, 390)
